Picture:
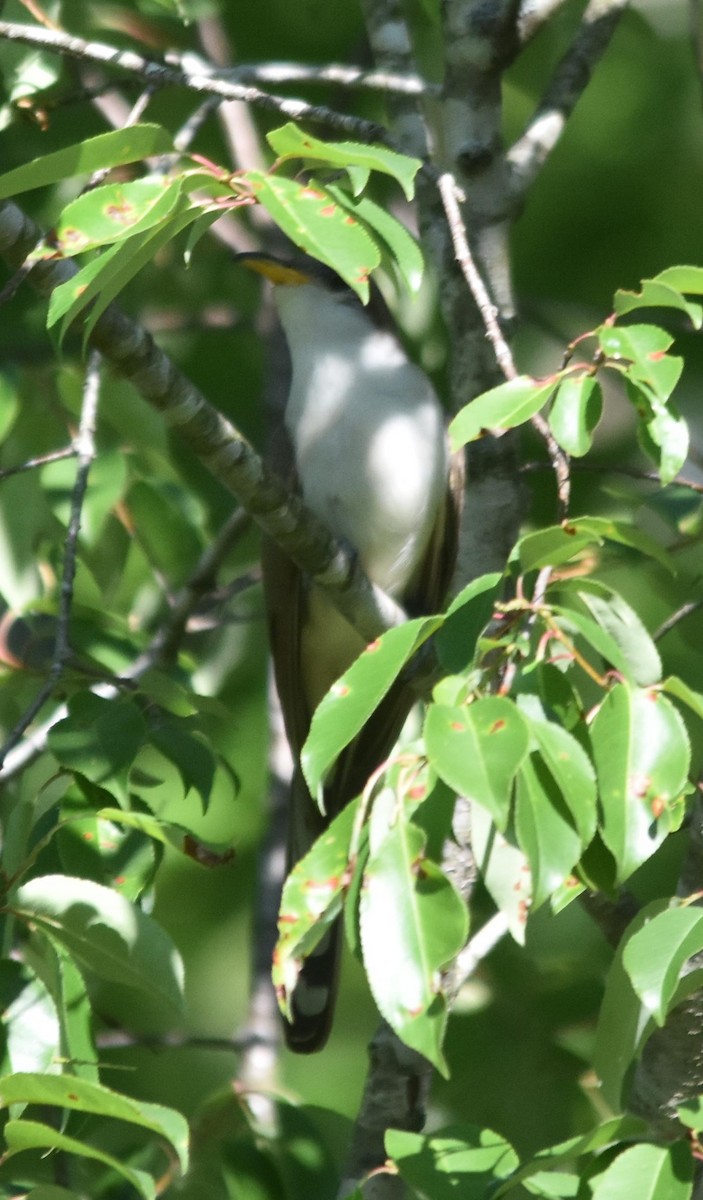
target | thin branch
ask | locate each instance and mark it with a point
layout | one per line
(559, 461)
(478, 948)
(85, 452)
(533, 15)
(395, 82)
(158, 74)
(570, 79)
(676, 618)
(40, 461)
(452, 198)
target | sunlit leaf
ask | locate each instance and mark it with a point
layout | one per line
(501, 408)
(575, 413)
(113, 149)
(642, 758)
(291, 142)
(105, 932)
(477, 749)
(464, 1161)
(31, 1135)
(353, 698)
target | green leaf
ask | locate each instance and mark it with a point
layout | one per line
(477, 750)
(572, 771)
(642, 759)
(82, 1095)
(684, 279)
(113, 212)
(657, 294)
(662, 432)
(691, 1113)
(465, 1161)
(681, 691)
(104, 931)
(609, 1133)
(648, 1172)
(465, 620)
(291, 142)
(544, 829)
(311, 217)
(412, 923)
(99, 738)
(405, 250)
(67, 987)
(31, 1135)
(352, 699)
(656, 954)
(102, 279)
(634, 343)
(558, 543)
(501, 408)
(113, 149)
(576, 624)
(311, 901)
(189, 751)
(615, 616)
(575, 413)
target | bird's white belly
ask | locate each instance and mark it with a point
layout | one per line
(372, 467)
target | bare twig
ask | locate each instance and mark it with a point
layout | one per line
(452, 198)
(559, 461)
(40, 461)
(84, 445)
(533, 15)
(676, 618)
(401, 83)
(158, 74)
(570, 79)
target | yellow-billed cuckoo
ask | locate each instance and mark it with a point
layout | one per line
(368, 452)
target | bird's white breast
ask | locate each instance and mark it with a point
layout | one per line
(367, 430)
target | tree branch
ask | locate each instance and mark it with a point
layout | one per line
(157, 74)
(570, 79)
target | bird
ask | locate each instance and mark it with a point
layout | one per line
(365, 435)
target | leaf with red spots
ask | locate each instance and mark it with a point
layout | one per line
(412, 923)
(115, 211)
(351, 701)
(642, 757)
(477, 750)
(313, 220)
(312, 899)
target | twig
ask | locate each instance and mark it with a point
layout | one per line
(559, 462)
(400, 83)
(40, 461)
(533, 15)
(570, 79)
(676, 618)
(84, 445)
(158, 74)
(478, 948)
(452, 197)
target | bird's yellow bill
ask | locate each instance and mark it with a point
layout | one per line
(277, 272)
